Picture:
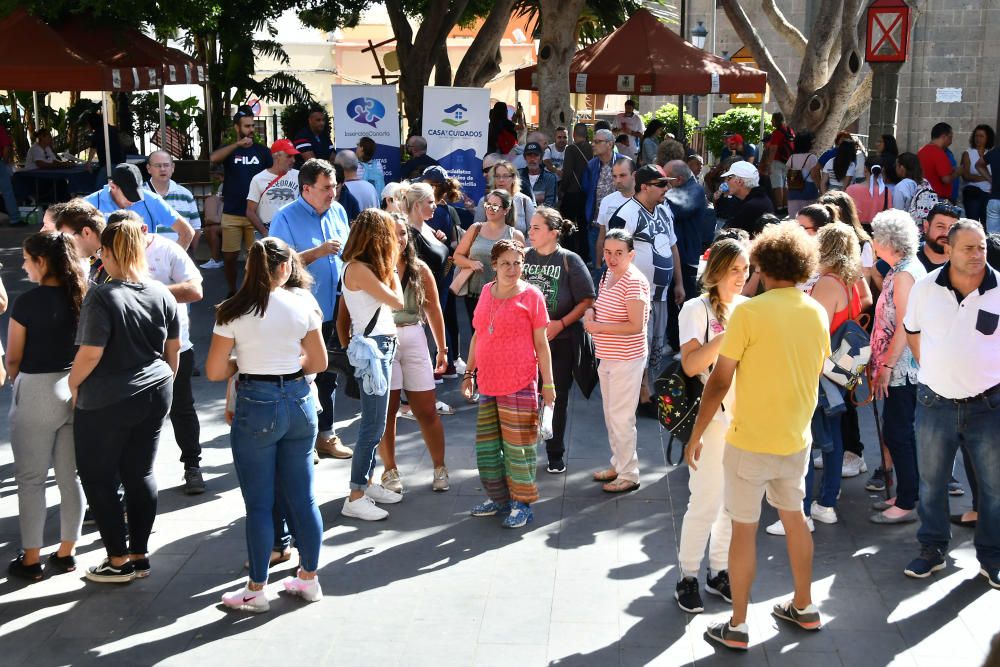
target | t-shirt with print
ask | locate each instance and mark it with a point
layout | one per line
(611, 306)
(270, 192)
(505, 343)
(563, 280)
(556, 156)
(46, 313)
(170, 265)
(779, 339)
(697, 319)
(605, 182)
(654, 238)
(239, 169)
(133, 358)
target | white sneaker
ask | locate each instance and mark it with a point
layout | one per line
(854, 465)
(307, 589)
(778, 528)
(818, 462)
(247, 600)
(363, 508)
(823, 514)
(440, 482)
(380, 494)
(212, 264)
(460, 366)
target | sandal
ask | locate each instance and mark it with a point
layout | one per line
(620, 486)
(277, 558)
(608, 475)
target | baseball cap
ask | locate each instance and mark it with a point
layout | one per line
(128, 179)
(434, 174)
(650, 174)
(533, 147)
(242, 111)
(734, 139)
(284, 146)
(742, 169)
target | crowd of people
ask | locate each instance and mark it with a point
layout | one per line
(581, 264)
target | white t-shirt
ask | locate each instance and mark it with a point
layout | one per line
(37, 153)
(269, 199)
(271, 344)
(832, 178)
(608, 206)
(630, 124)
(695, 318)
(170, 265)
(364, 192)
(557, 156)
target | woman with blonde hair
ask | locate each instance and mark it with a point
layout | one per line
(122, 384)
(503, 176)
(702, 325)
(366, 329)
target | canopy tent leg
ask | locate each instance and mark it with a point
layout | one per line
(681, 130)
(34, 100)
(107, 134)
(208, 118)
(163, 121)
(761, 144)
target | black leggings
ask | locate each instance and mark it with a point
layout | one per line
(183, 415)
(562, 351)
(118, 442)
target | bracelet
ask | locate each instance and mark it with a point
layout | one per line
(469, 374)
(888, 366)
(562, 323)
(548, 386)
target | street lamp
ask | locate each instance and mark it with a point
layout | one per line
(699, 34)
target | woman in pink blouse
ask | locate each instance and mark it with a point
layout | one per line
(506, 354)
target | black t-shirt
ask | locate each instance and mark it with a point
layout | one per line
(320, 145)
(47, 315)
(132, 322)
(992, 159)
(414, 167)
(926, 261)
(114, 143)
(434, 255)
(756, 204)
(562, 278)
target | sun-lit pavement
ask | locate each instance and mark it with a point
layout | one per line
(590, 582)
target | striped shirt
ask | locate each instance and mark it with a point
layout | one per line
(182, 201)
(612, 307)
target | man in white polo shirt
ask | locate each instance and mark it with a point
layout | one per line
(952, 328)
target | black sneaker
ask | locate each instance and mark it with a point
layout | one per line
(141, 567)
(930, 560)
(450, 373)
(687, 596)
(737, 637)
(877, 481)
(194, 483)
(719, 585)
(18, 569)
(108, 573)
(992, 575)
(62, 563)
(955, 488)
(556, 466)
(88, 518)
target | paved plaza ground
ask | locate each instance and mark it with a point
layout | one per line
(590, 582)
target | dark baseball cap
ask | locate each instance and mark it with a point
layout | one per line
(651, 174)
(533, 147)
(434, 174)
(128, 179)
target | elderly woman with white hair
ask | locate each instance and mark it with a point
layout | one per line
(895, 369)
(743, 180)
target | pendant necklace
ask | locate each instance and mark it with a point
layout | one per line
(494, 311)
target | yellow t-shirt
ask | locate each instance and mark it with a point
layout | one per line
(779, 339)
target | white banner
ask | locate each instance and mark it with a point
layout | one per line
(456, 123)
(369, 111)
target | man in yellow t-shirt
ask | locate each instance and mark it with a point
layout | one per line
(774, 346)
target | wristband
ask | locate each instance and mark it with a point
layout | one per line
(562, 323)
(548, 386)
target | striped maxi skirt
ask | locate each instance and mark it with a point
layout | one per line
(506, 436)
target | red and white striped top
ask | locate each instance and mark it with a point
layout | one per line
(612, 307)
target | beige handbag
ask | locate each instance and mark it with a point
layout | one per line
(460, 283)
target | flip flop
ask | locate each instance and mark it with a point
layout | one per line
(620, 486)
(608, 475)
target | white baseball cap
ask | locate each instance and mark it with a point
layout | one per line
(742, 169)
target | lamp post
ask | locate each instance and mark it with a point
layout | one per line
(698, 36)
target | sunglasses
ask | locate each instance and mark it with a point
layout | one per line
(494, 207)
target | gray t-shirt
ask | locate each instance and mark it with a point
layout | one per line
(562, 278)
(132, 322)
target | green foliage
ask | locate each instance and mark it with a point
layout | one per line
(296, 116)
(668, 114)
(738, 120)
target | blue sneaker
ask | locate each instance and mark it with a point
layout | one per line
(992, 575)
(490, 508)
(520, 515)
(930, 560)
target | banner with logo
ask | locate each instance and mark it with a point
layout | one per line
(369, 111)
(455, 124)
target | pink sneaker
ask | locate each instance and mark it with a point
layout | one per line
(308, 589)
(247, 600)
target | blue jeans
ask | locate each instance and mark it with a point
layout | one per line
(7, 191)
(942, 424)
(897, 426)
(993, 216)
(272, 438)
(373, 413)
(833, 463)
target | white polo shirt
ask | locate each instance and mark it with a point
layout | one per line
(959, 338)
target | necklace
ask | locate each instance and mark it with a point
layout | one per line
(495, 308)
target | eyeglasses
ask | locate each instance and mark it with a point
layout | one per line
(494, 207)
(602, 141)
(160, 165)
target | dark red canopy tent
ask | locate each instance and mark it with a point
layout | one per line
(645, 57)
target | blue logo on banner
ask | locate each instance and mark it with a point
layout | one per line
(366, 110)
(457, 113)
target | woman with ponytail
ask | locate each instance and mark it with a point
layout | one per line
(275, 334)
(702, 324)
(40, 341)
(122, 379)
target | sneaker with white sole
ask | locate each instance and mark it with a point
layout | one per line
(854, 465)
(807, 619)
(687, 596)
(778, 528)
(719, 585)
(490, 508)
(363, 508)
(440, 482)
(392, 481)
(108, 573)
(212, 264)
(735, 637)
(307, 589)
(380, 494)
(822, 514)
(247, 600)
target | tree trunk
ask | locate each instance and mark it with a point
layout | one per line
(482, 61)
(555, 53)
(442, 68)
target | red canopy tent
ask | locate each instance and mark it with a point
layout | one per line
(645, 57)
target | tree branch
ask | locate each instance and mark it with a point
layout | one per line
(860, 100)
(824, 34)
(752, 39)
(482, 51)
(778, 21)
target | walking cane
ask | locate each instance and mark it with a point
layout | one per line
(883, 450)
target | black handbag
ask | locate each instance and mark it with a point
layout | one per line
(338, 363)
(585, 360)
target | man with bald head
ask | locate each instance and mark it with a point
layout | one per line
(160, 166)
(686, 198)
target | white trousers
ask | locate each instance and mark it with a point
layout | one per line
(620, 383)
(706, 521)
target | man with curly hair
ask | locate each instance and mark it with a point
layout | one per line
(774, 346)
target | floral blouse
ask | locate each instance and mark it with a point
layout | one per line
(885, 324)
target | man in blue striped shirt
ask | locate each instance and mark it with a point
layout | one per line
(160, 166)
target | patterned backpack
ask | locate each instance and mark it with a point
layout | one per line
(924, 199)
